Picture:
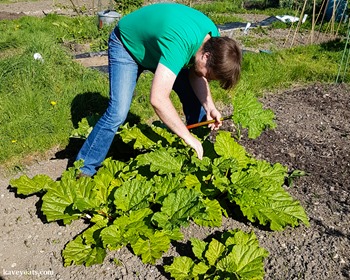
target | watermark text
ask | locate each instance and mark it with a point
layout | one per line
(32, 272)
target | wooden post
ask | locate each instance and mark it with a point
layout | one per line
(313, 22)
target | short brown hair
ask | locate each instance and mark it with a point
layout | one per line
(224, 61)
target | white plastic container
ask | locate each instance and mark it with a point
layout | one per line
(107, 17)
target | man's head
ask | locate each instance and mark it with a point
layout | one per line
(220, 58)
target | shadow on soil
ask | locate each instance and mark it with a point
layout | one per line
(328, 230)
(92, 105)
(38, 205)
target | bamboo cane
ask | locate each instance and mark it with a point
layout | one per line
(190, 126)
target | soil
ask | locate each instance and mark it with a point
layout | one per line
(312, 134)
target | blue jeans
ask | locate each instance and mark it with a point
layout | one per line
(123, 75)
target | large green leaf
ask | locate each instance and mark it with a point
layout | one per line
(192, 180)
(150, 249)
(163, 135)
(77, 252)
(107, 178)
(267, 202)
(276, 173)
(236, 255)
(28, 186)
(181, 268)
(249, 113)
(134, 134)
(199, 269)
(227, 147)
(104, 184)
(127, 229)
(133, 195)
(86, 197)
(198, 248)
(203, 164)
(58, 202)
(178, 208)
(111, 167)
(212, 215)
(92, 234)
(234, 237)
(165, 185)
(220, 169)
(214, 252)
(146, 137)
(245, 261)
(161, 161)
(112, 236)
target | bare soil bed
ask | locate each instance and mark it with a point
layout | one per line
(312, 134)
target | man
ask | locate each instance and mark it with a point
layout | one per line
(184, 50)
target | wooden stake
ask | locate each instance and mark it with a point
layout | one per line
(299, 22)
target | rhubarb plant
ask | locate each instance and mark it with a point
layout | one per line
(250, 114)
(144, 203)
(236, 255)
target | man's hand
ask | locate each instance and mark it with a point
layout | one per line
(196, 145)
(214, 115)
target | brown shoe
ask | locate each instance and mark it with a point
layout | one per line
(81, 175)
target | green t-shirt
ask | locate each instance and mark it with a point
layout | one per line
(165, 33)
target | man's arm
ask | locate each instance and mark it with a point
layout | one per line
(162, 85)
(201, 88)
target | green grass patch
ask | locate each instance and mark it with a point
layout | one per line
(219, 7)
(265, 72)
(37, 97)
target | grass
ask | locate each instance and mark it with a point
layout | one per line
(42, 102)
(37, 97)
(266, 72)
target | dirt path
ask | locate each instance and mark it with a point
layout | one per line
(43, 7)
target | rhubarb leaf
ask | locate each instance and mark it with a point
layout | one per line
(133, 195)
(212, 215)
(165, 185)
(245, 261)
(198, 247)
(129, 134)
(27, 186)
(177, 209)
(214, 252)
(249, 113)
(77, 252)
(199, 269)
(161, 161)
(228, 148)
(58, 202)
(112, 236)
(181, 268)
(262, 200)
(150, 249)
(85, 195)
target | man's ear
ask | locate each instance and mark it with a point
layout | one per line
(205, 56)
